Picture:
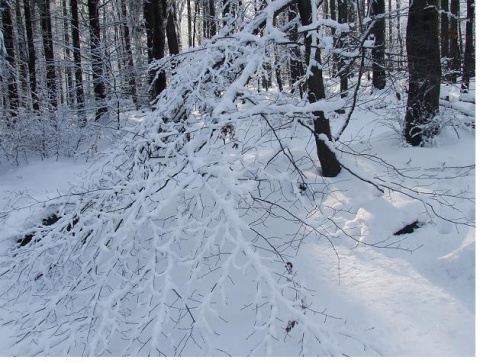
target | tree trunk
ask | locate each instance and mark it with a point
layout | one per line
(22, 55)
(132, 85)
(378, 52)
(342, 71)
(172, 38)
(27, 10)
(11, 61)
(77, 60)
(316, 91)
(455, 60)
(424, 69)
(469, 62)
(46, 24)
(97, 63)
(155, 27)
(189, 23)
(296, 66)
(68, 74)
(444, 39)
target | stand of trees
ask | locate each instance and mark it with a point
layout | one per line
(147, 257)
(90, 57)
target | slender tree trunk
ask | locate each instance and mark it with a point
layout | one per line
(399, 35)
(99, 88)
(77, 60)
(212, 16)
(22, 55)
(378, 52)
(444, 38)
(148, 14)
(172, 38)
(132, 84)
(390, 31)
(296, 66)
(189, 23)
(342, 71)
(46, 24)
(316, 91)
(68, 75)
(455, 60)
(11, 61)
(423, 53)
(155, 26)
(27, 10)
(469, 62)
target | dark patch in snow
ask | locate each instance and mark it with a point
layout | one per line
(409, 228)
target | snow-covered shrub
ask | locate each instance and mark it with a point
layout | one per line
(46, 134)
(180, 240)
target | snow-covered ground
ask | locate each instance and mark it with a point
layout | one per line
(411, 295)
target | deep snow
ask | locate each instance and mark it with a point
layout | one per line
(415, 300)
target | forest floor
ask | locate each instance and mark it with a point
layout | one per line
(416, 299)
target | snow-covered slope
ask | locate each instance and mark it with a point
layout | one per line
(370, 292)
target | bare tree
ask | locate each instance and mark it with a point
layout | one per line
(99, 88)
(378, 52)
(132, 84)
(11, 61)
(424, 71)
(454, 49)
(46, 23)
(316, 91)
(469, 61)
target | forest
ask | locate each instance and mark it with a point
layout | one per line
(237, 177)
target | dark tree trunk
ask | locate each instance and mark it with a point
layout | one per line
(469, 62)
(155, 26)
(342, 71)
(189, 23)
(378, 52)
(27, 10)
(316, 91)
(99, 88)
(10, 58)
(46, 24)
(132, 85)
(77, 60)
(149, 18)
(455, 59)
(424, 69)
(68, 75)
(171, 31)
(444, 38)
(22, 55)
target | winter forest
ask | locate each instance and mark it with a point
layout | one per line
(237, 178)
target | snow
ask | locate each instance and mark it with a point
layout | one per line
(410, 295)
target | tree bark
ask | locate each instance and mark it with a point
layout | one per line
(444, 38)
(424, 69)
(99, 88)
(10, 58)
(46, 24)
(342, 72)
(378, 52)
(132, 84)
(316, 91)
(27, 10)
(469, 62)
(77, 60)
(158, 46)
(68, 75)
(455, 59)
(171, 31)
